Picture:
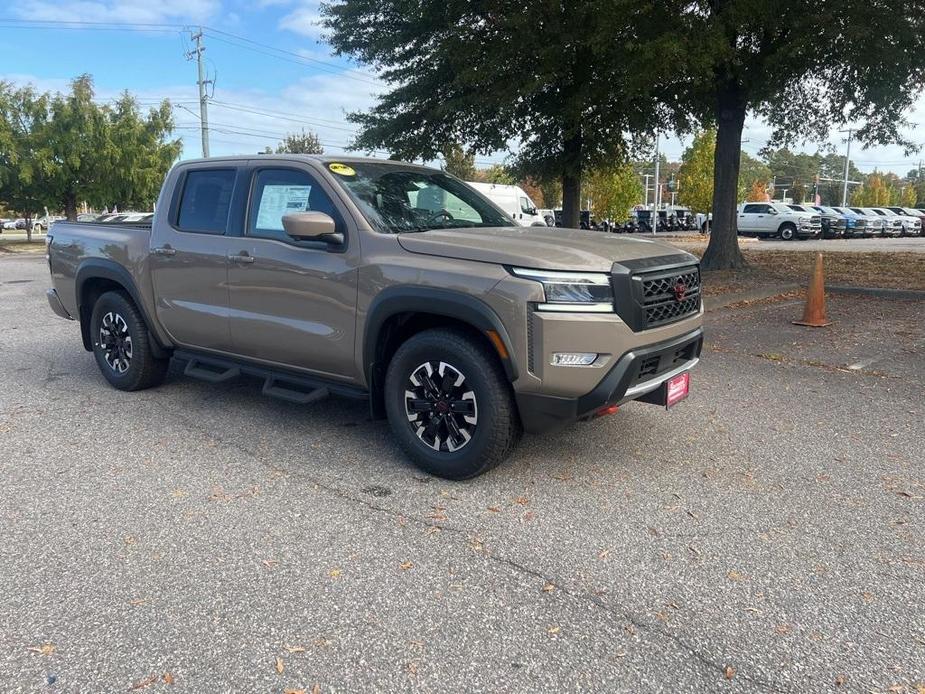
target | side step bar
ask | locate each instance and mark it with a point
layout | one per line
(291, 387)
(212, 373)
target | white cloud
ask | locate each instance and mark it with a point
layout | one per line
(134, 11)
(305, 20)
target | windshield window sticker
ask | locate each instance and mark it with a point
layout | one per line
(279, 200)
(341, 169)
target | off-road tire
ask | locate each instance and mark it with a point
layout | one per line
(143, 370)
(787, 232)
(498, 427)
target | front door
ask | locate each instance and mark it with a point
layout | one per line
(293, 303)
(189, 260)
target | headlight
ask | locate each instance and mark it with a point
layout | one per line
(572, 291)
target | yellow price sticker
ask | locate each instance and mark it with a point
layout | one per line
(341, 169)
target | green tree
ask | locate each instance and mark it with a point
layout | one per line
(907, 196)
(874, 192)
(496, 173)
(791, 63)
(614, 191)
(64, 148)
(564, 79)
(751, 170)
(139, 153)
(458, 163)
(695, 177)
(22, 185)
(304, 142)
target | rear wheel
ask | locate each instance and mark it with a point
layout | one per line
(450, 405)
(121, 344)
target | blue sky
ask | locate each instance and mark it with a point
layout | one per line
(305, 87)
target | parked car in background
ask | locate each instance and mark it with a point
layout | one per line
(856, 225)
(777, 219)
(833, 224)
(875, 222)
(549, 216)
(912, 220)
(892, 224)
(513, 200)
(87, 217)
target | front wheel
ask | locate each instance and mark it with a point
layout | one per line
(450, 405)
(788, 232)
(121, 344)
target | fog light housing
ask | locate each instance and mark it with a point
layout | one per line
(573, 358)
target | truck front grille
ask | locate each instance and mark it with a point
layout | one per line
(669, 297)
(650, 292)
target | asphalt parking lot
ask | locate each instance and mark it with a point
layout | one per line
(768, 534)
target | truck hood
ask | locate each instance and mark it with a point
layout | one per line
(544, 248)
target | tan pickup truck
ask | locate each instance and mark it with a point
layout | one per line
(387, 281)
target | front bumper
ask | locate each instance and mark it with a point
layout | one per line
(635, 374)
(54, 301)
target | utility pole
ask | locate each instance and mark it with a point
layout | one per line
(657, 191)
(844, 193)
(647, 177)
(203, 97)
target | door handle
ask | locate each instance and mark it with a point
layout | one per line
(241, 258)
(165, 250)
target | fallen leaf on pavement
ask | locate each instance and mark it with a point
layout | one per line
(548, 588)
(293, 691)
(840, 681)
(168, 678)
(405, 565)
(603, 554)
(280, 665)
(44, 649)
(734, 575)
(528, 516)
(316, 689)
(522, 500)
(729, 672)
(146, 682)
(334, 573)
(295, 649)
(135, 602)
(494, 509)
(552, 630)
(269, 563)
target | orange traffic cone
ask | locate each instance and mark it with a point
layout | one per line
(814, 313)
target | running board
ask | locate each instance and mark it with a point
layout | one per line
(277, 383)
(213, 373)
(293, 392)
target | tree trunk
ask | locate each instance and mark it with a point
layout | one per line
(70, 207)
(723, 250)
(571, 182)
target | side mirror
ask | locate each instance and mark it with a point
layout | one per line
(309, 226)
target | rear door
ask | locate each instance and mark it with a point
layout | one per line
(189, 257)
(293, 303)
(753, 218)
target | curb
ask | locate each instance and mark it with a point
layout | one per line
(713, 303)
(882, 292)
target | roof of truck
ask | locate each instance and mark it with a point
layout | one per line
(323, 158)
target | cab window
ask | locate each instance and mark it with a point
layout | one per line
(205, 201)
(278, 192)
(755, 209)
(526, 206)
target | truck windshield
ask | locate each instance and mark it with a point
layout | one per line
(396, 199)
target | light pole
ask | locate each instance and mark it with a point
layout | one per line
(844, 192)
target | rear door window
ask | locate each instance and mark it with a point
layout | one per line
(754, 209)
(206, 200)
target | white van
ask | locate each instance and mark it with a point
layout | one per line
(513, 200)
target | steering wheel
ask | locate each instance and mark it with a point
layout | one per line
(439, 214)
